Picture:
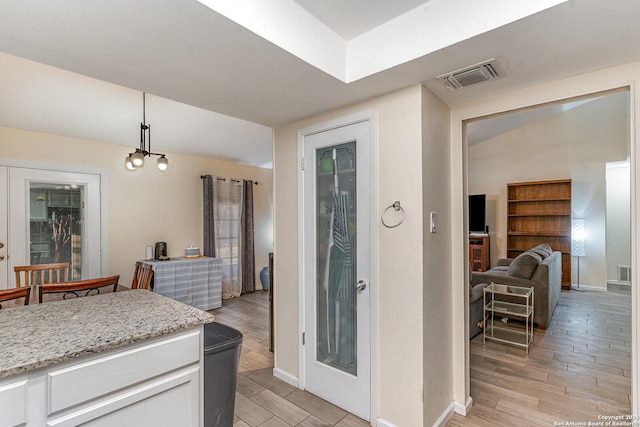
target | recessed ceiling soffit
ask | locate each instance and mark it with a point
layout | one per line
(411, 35)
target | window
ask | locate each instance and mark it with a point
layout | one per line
(228, 209)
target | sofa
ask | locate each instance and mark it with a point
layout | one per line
(476, 308)
(539, 267)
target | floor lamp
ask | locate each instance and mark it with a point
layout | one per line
(577, 245)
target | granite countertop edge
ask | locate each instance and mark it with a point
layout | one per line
(36, 336)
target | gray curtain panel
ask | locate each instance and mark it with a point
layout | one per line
(209, 246)
(247, 255)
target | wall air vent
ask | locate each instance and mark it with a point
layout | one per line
(478, 73)
(624, 273)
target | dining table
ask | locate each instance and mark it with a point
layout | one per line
(195, 281)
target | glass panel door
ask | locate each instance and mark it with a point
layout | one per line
(56, 225)
(336, 252)
(55, 216)
(336, 243)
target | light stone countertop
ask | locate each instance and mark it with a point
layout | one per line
(40, 335)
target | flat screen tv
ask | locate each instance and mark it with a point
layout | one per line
(477, 213)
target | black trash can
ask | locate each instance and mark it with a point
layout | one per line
(221, 358)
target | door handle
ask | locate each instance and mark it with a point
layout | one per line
(1, 257)
(361, 285)
(1, 245)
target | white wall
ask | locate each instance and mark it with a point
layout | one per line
(147, 206)
(405, 346)
(574, 144)
(618, 218)
(436, 172)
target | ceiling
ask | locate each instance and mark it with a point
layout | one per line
(484, 129)
(220, 74)
(351, 18)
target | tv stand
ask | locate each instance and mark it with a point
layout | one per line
(479, 252)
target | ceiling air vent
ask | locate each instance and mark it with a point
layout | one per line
(478, 73)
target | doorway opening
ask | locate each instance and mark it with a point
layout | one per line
(575, 139)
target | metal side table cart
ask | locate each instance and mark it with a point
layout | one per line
(513, 305)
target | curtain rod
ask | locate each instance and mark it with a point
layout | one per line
(231, 179)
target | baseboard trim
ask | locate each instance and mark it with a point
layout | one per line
(440, 422)
(591, 288)
(617, 282)
(286, 377)
(461, 409)
(446, 415)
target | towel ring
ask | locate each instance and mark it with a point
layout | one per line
(396, 206)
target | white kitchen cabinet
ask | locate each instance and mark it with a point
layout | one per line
(13, 405)
(171, 401)
(153, 383)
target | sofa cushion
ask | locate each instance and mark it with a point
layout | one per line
(524, 265)
(544, 250)
(499, 269)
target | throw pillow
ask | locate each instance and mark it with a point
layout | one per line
(524, 265)
(544, 250)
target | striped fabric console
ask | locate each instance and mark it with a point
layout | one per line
(193, 281)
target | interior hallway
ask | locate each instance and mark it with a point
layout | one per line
(262, 399)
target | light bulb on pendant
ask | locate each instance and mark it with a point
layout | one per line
(137, 159)
(163, 163)
(128, 162)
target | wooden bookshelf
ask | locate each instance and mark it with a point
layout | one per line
(540, 212)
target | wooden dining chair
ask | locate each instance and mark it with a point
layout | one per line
(142, 276)
(15, 293)
(31, 275)
(74, 289)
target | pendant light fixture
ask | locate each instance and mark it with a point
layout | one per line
(136, 160)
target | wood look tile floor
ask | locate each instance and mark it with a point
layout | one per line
(576, 370)
(262, 399)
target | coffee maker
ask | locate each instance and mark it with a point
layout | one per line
(161, 250)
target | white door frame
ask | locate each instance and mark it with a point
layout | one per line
(4, 227)
(369, 116)
(585, 85)
(104, 193)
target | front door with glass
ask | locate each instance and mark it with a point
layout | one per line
(53, 217)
